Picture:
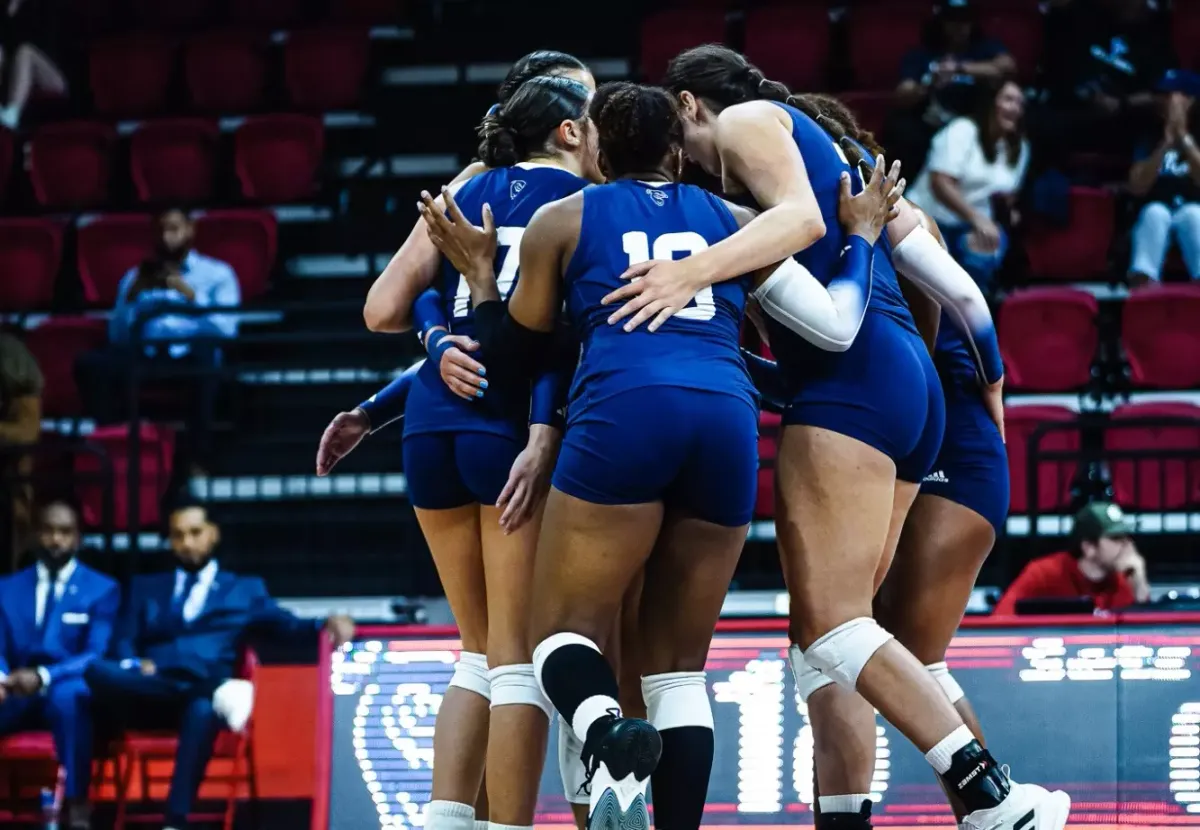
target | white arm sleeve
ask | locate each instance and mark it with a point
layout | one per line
(921, 259)
(829, 318)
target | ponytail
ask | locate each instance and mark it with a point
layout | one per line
(522, 126)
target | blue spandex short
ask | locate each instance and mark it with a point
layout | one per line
(972, 467)
(452, 469)
(695, 451)
(883, 391)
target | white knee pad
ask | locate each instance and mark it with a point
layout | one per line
(570, 765)
(516, 685)
(941, 673)
(471, 673)
(676, 699)
(842, 653)
(808, 679)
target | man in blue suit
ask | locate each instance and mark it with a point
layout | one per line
(180, 637)
(56, 617)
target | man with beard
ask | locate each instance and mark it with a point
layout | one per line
(56, 617)
(180, 640)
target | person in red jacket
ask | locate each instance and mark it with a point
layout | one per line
(1103, 564)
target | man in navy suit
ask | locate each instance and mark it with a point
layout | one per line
(56, 617)
(180, 638)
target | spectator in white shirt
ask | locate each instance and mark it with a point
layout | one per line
(141, 327)
(973, 163)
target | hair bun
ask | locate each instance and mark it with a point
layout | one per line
(498, 143)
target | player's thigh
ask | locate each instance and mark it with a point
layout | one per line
(587, 555)
(922, 600)
(903, 496)
(687, 579)
(454, 542)
(626, 645)
(834, 506)
(508, 562)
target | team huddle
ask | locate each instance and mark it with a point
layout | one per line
(581, 446)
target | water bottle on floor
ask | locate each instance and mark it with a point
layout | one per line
(49, 802)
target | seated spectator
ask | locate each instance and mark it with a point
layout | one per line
(1166, 177)
(938, 80)
(180, 639)
(1103, 565)
(178, 276)
(27, 40)
(56, 617)
(1103, 59)
(975, 162)
(20, 427)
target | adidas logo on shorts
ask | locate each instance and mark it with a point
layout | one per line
(936, 477)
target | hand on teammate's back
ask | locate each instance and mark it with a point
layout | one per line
(470, 249)
(868, 213)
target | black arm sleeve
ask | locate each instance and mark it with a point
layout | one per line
(511, 349)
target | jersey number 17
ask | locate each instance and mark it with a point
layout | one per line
(508, 241)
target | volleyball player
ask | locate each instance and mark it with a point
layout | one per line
(856, 428)
(659, 462)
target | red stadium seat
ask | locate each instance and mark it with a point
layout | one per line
(1080, 250)
(177, 14)
(667, 33)
(1053, 477)
(226, 71)
(243, 238)
(30, 256)
(1021, 32)
(156, 453)
(879, 40)
(173, 161)
(768, 450)
(1048, 338)
(375, 12)
(130, 75)
(1160, 331)
(267, 13)
(790, 44)
(108, 247)
(277, 157)
(6, 160)
(1185, 28)
(143, 753)
(55, 344)
(324, 68)
(1164, 483)
(69, 164)
(870, 108)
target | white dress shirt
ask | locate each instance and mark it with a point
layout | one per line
(193, 604)
(43, 592)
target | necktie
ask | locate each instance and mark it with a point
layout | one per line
(189, 582)
(51, 601)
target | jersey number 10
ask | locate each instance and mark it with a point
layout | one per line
(637, 245)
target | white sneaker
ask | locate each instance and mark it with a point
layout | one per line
(1028, 807)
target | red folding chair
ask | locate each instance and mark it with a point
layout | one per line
(137, 750)
(1054, 478)
(1048, 337)
(28, 763)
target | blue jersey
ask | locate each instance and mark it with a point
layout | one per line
(515, 194)
(956, 364)
(627, 222)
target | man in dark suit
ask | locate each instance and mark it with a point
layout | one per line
(56, 617)
(180, 638)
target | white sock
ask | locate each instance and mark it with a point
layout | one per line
(481, 824)
(449, 815)
(939, 757)
(842, 803)
(590, 711)
(493, 826)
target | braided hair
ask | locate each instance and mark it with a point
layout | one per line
(638, 126)
(521, 128)
(541, 62)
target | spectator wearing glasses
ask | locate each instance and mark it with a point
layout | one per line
(1103, 565)
(178, 276)
(56, 617)
(1166, 177)
(178, 646)
(938, 80)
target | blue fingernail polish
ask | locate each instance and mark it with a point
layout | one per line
(479, 393)
(483, 371)
(483, 384)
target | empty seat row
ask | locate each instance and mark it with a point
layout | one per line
(189, 14)
(108, 246)
(276, 159)
(791, 43)
(1139, 440)
(1049, 337)
(226, 71)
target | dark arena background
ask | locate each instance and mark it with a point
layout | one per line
(268, 155)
